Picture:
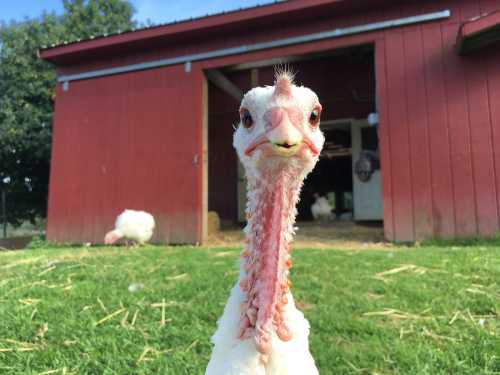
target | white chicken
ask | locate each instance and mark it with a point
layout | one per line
(132, 225)
(321, 209)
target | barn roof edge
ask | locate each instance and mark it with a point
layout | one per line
(54, 51)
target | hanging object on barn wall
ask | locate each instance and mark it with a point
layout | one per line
(367, 163)
(373, 119)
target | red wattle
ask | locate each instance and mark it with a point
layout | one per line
(266, 259)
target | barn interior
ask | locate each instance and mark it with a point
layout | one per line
(345, 83)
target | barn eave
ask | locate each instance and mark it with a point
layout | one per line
(478, 33)
(71, 52)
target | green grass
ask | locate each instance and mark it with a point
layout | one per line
(425, 310)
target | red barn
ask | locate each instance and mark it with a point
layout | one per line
(143, 119)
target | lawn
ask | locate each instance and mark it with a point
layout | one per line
(408, 310)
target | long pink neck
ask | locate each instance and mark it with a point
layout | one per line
(266, 259)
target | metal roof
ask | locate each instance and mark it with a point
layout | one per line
(159, 25)
(220, 24)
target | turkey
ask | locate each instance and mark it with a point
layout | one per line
(321, 209)
(132, 225)
(278, 141)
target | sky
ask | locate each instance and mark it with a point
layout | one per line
(157, 11)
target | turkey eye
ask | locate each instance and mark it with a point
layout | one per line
(246, 118)
(314, 117)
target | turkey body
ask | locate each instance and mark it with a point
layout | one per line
(321, 209)
(132, 225)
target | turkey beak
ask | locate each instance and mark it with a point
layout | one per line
(285, 138)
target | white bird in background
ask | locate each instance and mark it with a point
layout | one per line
(132, 225)
(321, 209)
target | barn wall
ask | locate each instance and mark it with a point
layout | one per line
(439, 128)
(128, 141)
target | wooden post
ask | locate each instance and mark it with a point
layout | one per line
(254, 77)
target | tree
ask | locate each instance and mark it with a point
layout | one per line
(27, 86)
(84, 19)
(26, 92)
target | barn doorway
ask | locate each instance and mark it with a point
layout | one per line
(348, 173)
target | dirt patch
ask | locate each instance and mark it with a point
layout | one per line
(338, 234)
(327, 235)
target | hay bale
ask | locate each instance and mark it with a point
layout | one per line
(213, 222)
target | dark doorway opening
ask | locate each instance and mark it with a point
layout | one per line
(344, 80)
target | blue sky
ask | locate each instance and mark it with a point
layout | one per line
(158, 11)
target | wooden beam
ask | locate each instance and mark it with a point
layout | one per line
(222, 82)
(479, 32)
(254, 77)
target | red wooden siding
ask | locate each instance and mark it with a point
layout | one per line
(454, 186)
(493, 73)
(418, 132)
(397, 123)
(439, 124)
(460, 149)
(384, 140)
(127, 141)
(442, 187)
(449, 182)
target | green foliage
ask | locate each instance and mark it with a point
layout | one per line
(26, 100)
(27, 91)
(38, 242)
(424, 310)
(84, 19)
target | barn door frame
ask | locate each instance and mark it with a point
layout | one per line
(204, 158)
(377, 40)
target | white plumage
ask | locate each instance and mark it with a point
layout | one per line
(132, 225)
(321, 209)
(232, 356)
